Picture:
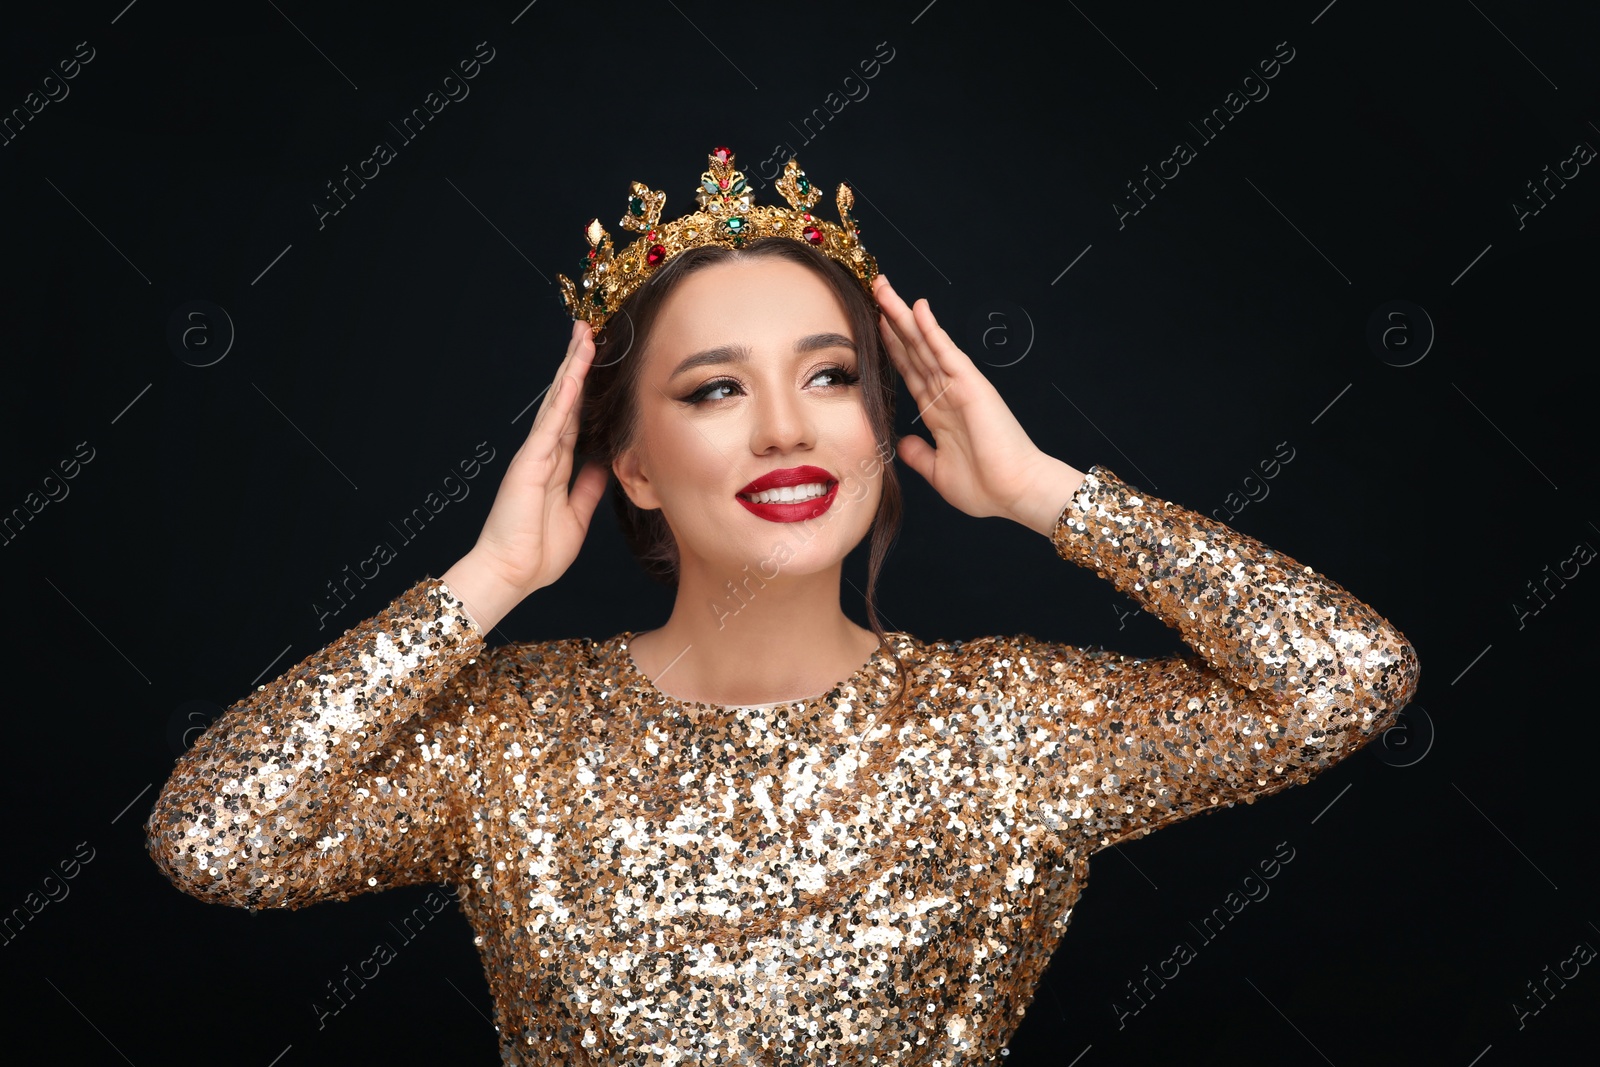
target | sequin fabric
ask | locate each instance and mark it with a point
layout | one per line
(830, 881)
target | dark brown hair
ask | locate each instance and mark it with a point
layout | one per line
(608, 420)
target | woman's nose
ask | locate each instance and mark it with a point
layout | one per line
(782, 422)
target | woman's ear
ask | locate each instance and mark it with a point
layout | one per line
(634, 481)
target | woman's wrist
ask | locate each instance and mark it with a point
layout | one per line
(487, 596)
(1050, 488)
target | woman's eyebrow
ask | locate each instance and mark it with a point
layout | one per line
(741, 353)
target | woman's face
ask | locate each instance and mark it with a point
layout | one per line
(749, 370)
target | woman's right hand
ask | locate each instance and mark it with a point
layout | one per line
(536, 525)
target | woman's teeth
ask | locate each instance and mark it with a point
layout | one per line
(788, 494)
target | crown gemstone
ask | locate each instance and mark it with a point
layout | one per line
(736, 225)
(724, 154)
(802, 184)
(655, 255)
(636, 206)
(813, 235)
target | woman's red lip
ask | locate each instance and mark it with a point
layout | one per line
(795, 511)
(790, 476)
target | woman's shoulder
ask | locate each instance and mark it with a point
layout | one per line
(1002, 657)
(556, 659)
(985, 645)
(535, 686)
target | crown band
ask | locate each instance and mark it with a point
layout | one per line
(727, 216)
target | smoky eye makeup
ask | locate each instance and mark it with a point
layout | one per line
(842, 376)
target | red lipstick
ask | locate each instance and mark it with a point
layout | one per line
(794, 511)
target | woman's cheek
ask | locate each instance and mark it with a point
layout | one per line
(859, 487)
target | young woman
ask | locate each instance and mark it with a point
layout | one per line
(761, 833)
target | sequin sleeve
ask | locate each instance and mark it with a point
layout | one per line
(341, 776)
(1286, 673)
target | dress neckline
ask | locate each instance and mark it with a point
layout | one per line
(880, 661)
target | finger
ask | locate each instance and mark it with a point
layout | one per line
(925, 391)
(582, 335)
(570, 410)
(541, 442)
(924, 378)
(892, 308)
(558, 419)
(944, 351)
(897, 354)
(573, 341)
(918, 454)
(937, 353)
(906, 327)
(916, 384)
(586, 492)
(581, 362)
(925, 326)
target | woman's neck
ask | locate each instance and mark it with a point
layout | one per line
(760, 641)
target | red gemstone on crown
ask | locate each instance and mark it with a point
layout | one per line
(813, 235)
(722, 183)
(655, 255)
(722, 153)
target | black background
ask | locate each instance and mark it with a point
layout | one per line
(1434, 874)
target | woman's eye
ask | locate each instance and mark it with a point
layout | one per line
(705, 391)
(840, 376)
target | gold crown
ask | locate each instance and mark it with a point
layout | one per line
(726, 217)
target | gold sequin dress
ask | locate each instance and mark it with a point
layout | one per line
(828, 881)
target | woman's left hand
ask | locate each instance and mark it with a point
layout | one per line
(981, 461)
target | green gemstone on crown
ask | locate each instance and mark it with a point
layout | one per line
(636, 205)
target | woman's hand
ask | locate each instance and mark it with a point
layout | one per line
(981, 461)
(536, 525)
